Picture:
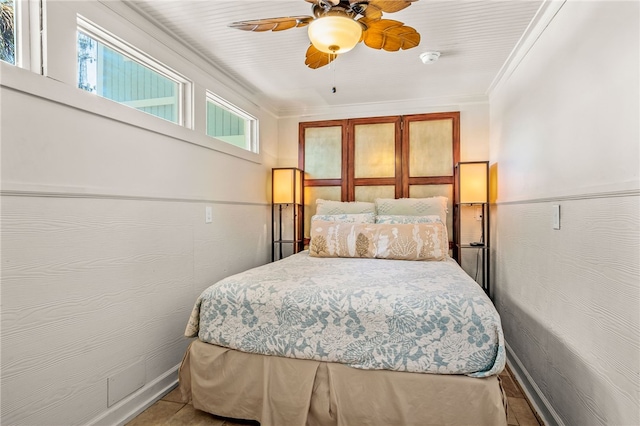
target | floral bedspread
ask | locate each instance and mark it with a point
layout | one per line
(399, 315)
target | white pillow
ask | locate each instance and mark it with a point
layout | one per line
(413, 207)
(345, 218)
(396, 219)
(343, 207)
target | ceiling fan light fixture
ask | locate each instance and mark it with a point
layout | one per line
(334, 34)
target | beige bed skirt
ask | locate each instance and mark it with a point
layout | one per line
(292, 392)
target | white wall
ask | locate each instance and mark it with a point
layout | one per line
(565, 130)
(104, 244)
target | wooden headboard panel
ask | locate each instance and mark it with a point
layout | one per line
(411, 156)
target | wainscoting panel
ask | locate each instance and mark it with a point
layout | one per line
(569, 301)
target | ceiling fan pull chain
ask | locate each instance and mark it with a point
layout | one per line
(333, 65)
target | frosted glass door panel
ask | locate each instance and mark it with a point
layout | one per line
(426, 191)
(323, 152)
(370, 193)
(374, 150)
(431, 148)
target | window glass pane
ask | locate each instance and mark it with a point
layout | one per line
(8, 27)
(112, 75)
(230, 124)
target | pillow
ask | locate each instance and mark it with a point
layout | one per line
(346, 218)
(413, 207)
(336, 239)
(342, 207)
(417, 241)
(396, 219)
(420, 241)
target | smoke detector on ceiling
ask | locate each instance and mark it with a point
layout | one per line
(429, 57)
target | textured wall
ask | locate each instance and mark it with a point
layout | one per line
(104, 243)
(92, 286)
(564, 130)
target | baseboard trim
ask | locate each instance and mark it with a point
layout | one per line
(137, 402)
(540, 402)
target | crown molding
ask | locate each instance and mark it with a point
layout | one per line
(537, 26)
(369, 109)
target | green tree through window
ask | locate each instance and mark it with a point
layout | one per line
(86, 56)
(7, 28)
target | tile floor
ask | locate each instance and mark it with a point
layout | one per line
(170, 411)
(519, 412)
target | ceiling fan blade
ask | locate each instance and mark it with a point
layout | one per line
(272, 24)
(389, 35)
(390, 6)
(373, 9)
(316, 59)
(373, 12)
(318, 2)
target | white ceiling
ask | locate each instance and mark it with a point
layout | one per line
(475, 39)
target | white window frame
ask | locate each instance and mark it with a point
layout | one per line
(251, 122)
(125, 49)
(27, 23)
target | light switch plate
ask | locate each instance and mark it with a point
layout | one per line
(556, 216)
(208, 214)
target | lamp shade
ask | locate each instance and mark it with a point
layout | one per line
(287, 186)
(473, 182)
(334, 34)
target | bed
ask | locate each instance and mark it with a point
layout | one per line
(350, 332)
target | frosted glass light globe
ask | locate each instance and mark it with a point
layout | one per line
(334, 34)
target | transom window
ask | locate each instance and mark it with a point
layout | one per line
(230, 124)
(114, 70)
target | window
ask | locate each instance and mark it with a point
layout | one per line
(8, 29)
(230, 124)
(113, 70)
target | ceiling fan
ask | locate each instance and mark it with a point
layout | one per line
(337, 26)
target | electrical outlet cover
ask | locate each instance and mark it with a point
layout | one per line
(556, 216)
